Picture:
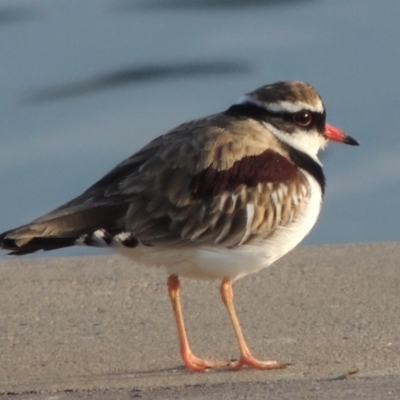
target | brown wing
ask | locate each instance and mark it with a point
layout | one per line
(207, 181)
(217, 185)
(224, 207)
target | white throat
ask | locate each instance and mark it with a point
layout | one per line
(309, 143)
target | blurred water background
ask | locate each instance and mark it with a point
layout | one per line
(85, 84)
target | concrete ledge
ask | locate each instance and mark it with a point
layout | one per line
(103, 324)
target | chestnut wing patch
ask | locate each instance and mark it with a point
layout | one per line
(268, 166)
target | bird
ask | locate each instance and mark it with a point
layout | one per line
(216, 198)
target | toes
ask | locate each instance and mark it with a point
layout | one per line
(256, 364)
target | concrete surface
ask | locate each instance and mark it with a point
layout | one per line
(102, 328)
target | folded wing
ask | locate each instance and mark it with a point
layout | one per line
(205, 186)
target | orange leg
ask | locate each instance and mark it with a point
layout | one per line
(192, 362)
(246, 358)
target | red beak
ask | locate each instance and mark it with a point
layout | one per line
(336, 135)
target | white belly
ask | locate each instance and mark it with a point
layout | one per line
(233, 263)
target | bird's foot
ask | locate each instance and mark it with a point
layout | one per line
(196, 364)
(252, 362)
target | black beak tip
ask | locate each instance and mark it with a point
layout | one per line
(351, 141)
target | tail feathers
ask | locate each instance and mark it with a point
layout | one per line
(35, 244)
(61, 228)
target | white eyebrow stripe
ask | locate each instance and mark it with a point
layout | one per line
(283, 106)
(287, 106)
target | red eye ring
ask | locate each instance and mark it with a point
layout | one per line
(302, 118)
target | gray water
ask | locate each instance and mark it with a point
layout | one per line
(85, 84)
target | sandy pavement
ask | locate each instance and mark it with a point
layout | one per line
(102, 328)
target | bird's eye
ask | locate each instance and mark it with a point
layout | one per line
(302, 118)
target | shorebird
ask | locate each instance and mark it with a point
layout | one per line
(219, 197)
